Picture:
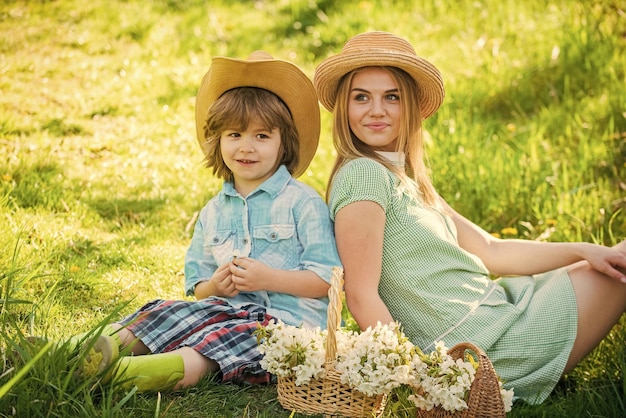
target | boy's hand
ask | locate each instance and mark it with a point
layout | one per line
(223, 282)
(249, 275)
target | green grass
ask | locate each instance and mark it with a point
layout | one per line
(101, 175)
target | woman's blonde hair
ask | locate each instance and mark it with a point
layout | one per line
(414, 176)
(236, 109)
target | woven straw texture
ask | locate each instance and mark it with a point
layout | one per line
(328, 395)
(484, 400)
(373, 49)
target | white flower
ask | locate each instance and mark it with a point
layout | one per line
(444, 381)
(292, 351)
(377, 361)
(507, 398)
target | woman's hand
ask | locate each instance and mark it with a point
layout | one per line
(610, 261)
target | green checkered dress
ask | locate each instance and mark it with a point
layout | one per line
(438, 291)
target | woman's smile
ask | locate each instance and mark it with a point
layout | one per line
(374, 108)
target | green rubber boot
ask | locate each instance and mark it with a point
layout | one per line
(151, 372)
(109, 347)
(99, 355)
(80, 339)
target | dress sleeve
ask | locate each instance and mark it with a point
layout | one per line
(362, 179)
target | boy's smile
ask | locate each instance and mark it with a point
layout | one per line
(252, 155)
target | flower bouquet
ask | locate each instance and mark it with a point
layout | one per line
(308, 381)
(341, 372)
(448, 386)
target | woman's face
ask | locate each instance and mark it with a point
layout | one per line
(374, 108)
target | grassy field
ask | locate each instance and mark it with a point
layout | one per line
(101, 175)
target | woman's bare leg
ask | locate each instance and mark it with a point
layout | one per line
(601, 303)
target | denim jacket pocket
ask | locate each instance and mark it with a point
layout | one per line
(276, 245)
(221, 245)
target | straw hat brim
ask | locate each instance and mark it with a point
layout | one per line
(426, 75)
(282, 78)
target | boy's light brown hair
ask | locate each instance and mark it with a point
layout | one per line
(236, 109)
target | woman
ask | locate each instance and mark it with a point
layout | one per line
(409, 257)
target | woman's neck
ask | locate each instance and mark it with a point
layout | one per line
(395, 157)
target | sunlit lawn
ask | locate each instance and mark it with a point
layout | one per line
(101, 176)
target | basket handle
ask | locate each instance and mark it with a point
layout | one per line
(334, 316)
(485, 390)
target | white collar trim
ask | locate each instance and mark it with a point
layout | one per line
(395, 157)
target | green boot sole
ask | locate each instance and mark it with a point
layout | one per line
(100, 354)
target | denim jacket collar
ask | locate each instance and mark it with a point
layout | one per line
(271, 186)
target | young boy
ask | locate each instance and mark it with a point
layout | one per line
(263, 248)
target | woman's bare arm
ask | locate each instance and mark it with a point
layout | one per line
(505, 257)
(359, 231)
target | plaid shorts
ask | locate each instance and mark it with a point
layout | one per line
(210, 326)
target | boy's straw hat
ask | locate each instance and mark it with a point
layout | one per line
(372, 49)
(282, 78)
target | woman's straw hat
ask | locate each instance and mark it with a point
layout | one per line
(282, 78)
(372, 49)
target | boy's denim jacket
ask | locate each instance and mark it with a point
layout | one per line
(284, 224)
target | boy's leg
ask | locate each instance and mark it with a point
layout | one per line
(174, 370)
(196, 367)
(79, 339)
(99, 355)
(124, 338)
(105, 349)
(127, 340)
(153, 372)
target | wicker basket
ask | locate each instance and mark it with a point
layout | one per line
(484, 396)
(328, 395)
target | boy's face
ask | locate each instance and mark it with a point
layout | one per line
(251, 155)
